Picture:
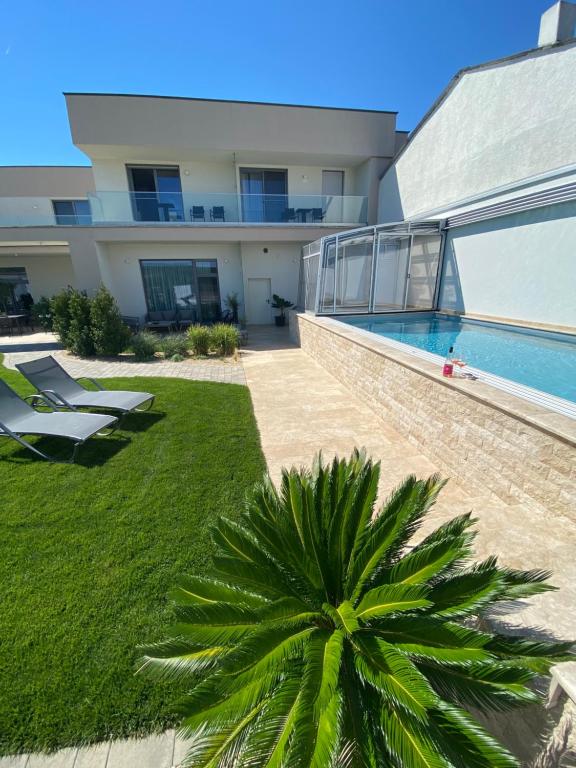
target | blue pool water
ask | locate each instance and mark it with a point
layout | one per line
(537, 359)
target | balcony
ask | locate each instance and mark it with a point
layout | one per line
(190, 209)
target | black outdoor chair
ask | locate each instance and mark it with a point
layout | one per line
(197, 213)
(290, 215)
(186, 318)
(161, 320)
(132, 322)
(217, 213)
(318, 214)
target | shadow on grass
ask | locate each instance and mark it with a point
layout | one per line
(140, 422)
(95, 452)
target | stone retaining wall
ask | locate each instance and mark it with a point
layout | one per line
(490, 439)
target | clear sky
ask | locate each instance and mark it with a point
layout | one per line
(377, 54)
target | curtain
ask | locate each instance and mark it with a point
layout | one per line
(169, 285)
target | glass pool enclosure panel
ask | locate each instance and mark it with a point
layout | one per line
(388, 268)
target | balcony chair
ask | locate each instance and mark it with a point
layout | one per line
(318, 215)
(217, 213)
(63, 393)
(18, 418)
(290, 215)
(197, 213)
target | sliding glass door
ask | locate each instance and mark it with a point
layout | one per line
(264, 194)
(156, 193)
(182, 284)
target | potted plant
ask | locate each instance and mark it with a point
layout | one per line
(282, 305)
(232, 304)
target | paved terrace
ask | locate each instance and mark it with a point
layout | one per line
(20, 349)
(301, 409)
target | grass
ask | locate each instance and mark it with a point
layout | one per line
(88, 552)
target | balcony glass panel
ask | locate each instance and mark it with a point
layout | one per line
(170, 207)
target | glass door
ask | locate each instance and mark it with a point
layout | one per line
(264, 194)
(156, 193)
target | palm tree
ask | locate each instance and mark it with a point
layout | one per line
(323, 638)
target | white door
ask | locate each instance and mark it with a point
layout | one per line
(258, 310)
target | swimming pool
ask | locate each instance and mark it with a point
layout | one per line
(535, 359)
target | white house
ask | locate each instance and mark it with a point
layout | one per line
(189, 200)
(494, 162)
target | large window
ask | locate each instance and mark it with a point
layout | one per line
(264, 194)
(13, 285)
(185, 285)
(156, 193)
(72, 211)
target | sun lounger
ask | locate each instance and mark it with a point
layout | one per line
(65, 393)
(18, 418)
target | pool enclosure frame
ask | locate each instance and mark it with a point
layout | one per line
(371, 270)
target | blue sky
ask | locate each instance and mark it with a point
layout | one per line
(377, 54)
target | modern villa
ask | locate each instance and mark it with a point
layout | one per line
(188, 200)
(339, 615)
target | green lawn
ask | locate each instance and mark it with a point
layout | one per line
(88, 552)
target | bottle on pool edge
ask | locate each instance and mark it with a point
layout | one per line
(448, 369)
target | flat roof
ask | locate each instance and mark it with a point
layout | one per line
(230, 101)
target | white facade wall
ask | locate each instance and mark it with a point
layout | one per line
(281, 265)
(520, 267)
(498, 125)
(47, 273)
(122, 268)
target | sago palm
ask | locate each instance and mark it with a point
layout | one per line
(322, 638)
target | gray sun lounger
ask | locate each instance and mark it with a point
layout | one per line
(17, 418)
(65, 393)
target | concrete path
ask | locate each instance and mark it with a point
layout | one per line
(19, 349)
(301, 408)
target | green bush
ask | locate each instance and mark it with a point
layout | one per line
(60, 311)
(224, 339)
(199, 339)
(79, 340)
(175, 344)
(42, 314)
(144, 345)
(109, 334)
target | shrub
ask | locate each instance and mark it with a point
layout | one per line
(224, 339)
(42, 314)
(323, 631)
(144, 345)
(60, 311)
(109, 334)
(199, 339)
(79, 339)
(175, 344)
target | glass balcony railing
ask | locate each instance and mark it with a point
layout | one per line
(212, 208)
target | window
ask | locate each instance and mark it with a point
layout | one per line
(264, 194)
(13, 285)
(186, 285)
(72, 211)
(156, 193)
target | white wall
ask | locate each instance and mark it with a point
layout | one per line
(281, 264)
(47, 274)
(499, 124)
(521, 267)
(122, 273)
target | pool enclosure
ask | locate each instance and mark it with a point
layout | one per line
(384, 268)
